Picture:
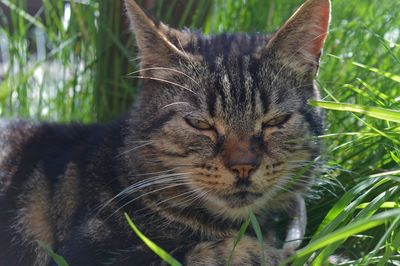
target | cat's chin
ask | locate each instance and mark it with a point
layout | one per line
(236, 205)
(241, 199)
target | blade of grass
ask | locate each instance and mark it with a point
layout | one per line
(23, 14)
(392, 228)
(385, 205)
(376, 70)
(349, 230)
(257, 230)
(390, 250)
(156, 249)
(57, 258)
(364, 213)
(238, 238)
(341, 211)
(376, 112)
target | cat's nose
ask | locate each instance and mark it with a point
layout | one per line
(243, 171)
(242, 158)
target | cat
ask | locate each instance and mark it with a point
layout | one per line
(221, 126)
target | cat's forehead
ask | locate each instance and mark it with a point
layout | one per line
(237, 86)
(239, 76)
(225, 44)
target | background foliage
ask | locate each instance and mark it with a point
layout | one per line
(70, 61)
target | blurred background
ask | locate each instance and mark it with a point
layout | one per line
(71, 60)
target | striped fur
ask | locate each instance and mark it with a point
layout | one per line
(69, 185)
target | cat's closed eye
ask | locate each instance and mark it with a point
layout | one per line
(198, 123)
(277, 121)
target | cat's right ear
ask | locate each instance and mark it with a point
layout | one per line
(154, 39)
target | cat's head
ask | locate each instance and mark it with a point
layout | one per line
(227, 115)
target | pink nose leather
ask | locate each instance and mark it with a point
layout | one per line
(243, 170)
(241, 157)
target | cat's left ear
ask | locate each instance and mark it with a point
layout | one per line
(157, 43)
(298, 43)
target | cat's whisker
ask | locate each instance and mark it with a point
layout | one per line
(193, 191)
(164, 68)
(318, 181)
(136, 59)
(117, 199)
(145, 183)
(285, 189)
(156, 180)
(137, 141)
(167, 81)
(190, 193)
(175, 103)
(303, 161)
(315, 165)
(146, 194)
(299, 181)
(187, 204)
(315, 179)
(304, 170)
(135, 148)
(281, 187)
(196, 194)
(200, 194)
(189, 59)
(159, 172)
(305, 139)
(132, 190)
(304, 166)
(304, 179)
(175, 182)
(159, 178)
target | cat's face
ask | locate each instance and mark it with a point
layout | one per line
(230, 112)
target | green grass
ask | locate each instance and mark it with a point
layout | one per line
(354, 214)
(60, 261)
(156, 249)
(238, 238)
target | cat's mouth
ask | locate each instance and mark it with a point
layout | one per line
(241, 198)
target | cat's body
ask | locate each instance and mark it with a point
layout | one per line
(55, 197)
(221, 126)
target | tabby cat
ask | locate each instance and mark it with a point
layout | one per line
(221, 126)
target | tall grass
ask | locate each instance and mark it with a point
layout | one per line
(60, 68)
